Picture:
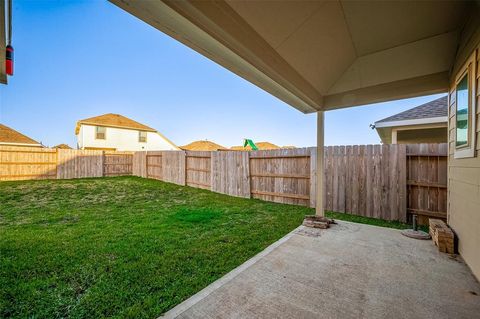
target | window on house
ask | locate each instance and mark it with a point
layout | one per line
(465, 109)
(462, 122)
(100, 132)
(142, 137)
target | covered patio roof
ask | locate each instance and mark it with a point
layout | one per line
(320, 55)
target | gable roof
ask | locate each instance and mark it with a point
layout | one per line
(202, 146)
(10, 136)
(63, 146)
(432, 109)
(113, 120)
(260, 145)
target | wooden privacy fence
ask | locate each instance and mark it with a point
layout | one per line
(391, 182)
(427, 180)
(276, 175)
(117, 163)
(21, 163)
(380, 181)
(367, 180)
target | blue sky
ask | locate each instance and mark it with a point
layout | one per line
(77, 59)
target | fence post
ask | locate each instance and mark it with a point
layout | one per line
(103, 163)
(402, 180)
(249, 175)
(145, 175)
(56, 163)
(212, 170)
(185, 168)
(313, 176)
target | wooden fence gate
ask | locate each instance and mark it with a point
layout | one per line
(366, 180)
(427, 168)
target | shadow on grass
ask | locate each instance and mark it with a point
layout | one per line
(371, 221)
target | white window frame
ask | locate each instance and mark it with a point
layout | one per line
(140, 134)
(469, 68)
(96, 133)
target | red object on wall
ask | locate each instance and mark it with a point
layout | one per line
(9, 60)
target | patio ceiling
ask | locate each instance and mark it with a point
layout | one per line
(320, 55)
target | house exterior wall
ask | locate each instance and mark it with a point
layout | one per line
(426, 135)
(414, 133)
(121, 140)
(464, 173)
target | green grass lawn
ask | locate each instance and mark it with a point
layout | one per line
(126, 247)
(123, 247)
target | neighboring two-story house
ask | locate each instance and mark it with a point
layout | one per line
(116, 132)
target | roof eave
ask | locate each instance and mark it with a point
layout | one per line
(430, 120)
(20, 144)
(113, 126)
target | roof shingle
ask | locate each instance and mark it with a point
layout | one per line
(260, 145)
(63, 146)
(114, 120)
(202, 146)
(9, 135)
(435, 108)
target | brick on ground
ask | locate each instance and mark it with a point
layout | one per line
(442, 236)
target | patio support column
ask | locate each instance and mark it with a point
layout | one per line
(319, 208)
(394, 136)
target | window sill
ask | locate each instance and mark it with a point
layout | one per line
(464, 153)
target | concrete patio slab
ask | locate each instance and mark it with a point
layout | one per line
(348, 271)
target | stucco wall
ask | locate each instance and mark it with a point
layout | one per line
(122, 140)
(464, 173)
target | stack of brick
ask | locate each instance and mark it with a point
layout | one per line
(315, 221)
(442, 236)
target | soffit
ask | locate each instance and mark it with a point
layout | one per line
(380, 25)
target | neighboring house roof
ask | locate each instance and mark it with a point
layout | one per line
(260, 145)
(429, 120)
(436, 109)
(10, 136)
(202, 146)
(113, 120)
(63, 146)
(267, 146)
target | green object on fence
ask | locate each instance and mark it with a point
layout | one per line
(249, 142)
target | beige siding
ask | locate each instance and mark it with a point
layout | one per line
(464, 184)
(427, 135)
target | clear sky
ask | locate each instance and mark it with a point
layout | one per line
(77, 59)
